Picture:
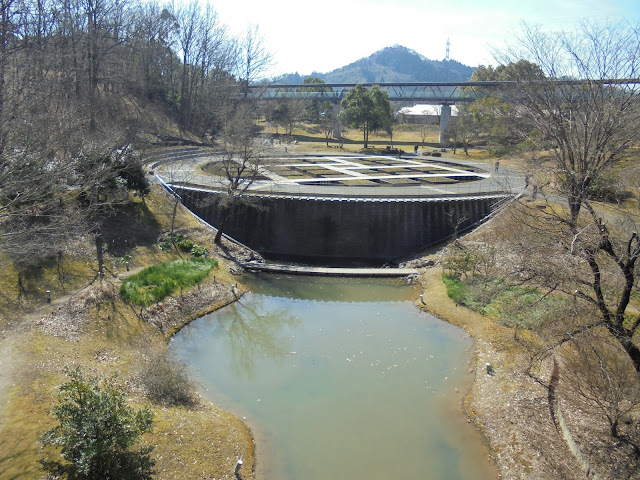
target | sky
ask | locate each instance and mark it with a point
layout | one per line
(306, 36)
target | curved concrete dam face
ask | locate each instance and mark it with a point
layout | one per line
(339, 231)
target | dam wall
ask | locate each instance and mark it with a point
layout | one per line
(325, 230)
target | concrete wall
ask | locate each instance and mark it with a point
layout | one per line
(339, 231)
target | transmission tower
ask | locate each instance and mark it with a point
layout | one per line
(446, 57)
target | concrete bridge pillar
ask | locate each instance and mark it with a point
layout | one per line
(445, 120)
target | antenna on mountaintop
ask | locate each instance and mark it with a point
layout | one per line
(446, 57)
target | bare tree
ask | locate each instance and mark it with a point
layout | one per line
(586, 126)
(240, 164)
(463, 128)
(253, 59)
(631, 181)
(206, 51)
(189, 21)
(151, 56)
(601, 375)
(36, 219)
(328, 122)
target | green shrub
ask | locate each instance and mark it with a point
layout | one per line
(178, 237)
(96, 430)
(198, 251)
(159, 281)
(164, 244)
(185, 245)
(455, 288)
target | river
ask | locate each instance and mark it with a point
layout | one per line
(340, 379)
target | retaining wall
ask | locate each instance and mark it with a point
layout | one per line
(339, 230)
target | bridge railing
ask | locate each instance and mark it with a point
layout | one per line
(497, 188)
(428, 92)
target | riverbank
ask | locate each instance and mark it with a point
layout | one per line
(509, 407)
(92, 327)
(98, 332)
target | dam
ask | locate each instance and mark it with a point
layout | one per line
(348, 210)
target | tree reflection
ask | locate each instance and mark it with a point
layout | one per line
(257, 332)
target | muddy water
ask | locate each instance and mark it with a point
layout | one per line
(340, 379)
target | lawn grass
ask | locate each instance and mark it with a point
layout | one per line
(159, 281)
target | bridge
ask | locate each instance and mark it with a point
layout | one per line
(434, 93)
(431, 93)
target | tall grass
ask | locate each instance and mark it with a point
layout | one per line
(510, 304)
(159, 281)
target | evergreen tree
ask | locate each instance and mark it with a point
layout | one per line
(96, 431)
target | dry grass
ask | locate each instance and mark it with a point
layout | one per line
(311, 139)
(98, 331)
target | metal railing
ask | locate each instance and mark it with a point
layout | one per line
(458, 191)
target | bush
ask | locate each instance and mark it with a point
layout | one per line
(198, 251)
(184, 244)
(164, 244)
(167, 382)
(455, 288)
(476, 293)
(96, 430)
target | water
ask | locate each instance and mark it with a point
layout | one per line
(340, 379)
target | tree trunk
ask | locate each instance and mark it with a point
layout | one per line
(614, 429)
(173, 216)
(100, 254)
(626, 342)
(4, 39)
(223, 220)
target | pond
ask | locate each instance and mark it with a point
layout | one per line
(340, 379)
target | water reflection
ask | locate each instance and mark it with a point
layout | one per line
(337, 382)
(333, 289)
(255, 332)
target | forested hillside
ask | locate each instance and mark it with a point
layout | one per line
(393, 64)
(82, 84)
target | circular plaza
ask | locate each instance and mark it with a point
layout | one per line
(342, 209)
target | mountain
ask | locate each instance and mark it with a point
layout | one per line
(392, 64)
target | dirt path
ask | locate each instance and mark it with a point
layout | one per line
(10, 359)
(18, 332)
